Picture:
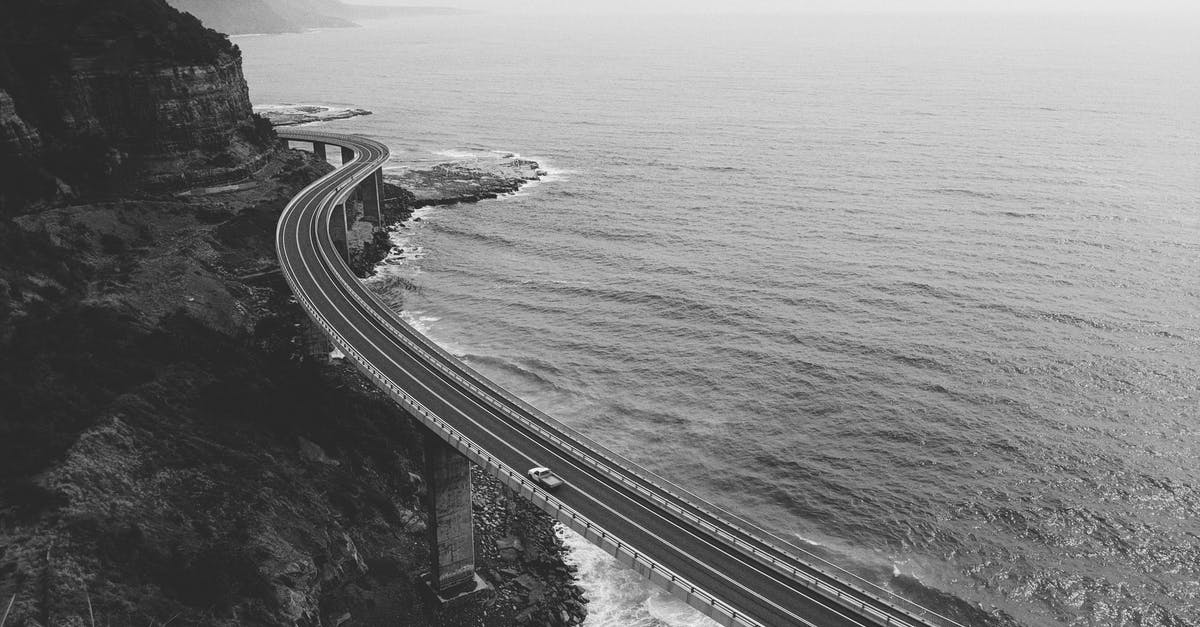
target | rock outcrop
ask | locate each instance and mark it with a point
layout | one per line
(450, 183)
(106, 97)
(293, 114)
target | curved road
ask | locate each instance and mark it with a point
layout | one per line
(722, 565)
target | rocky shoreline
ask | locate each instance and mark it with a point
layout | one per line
(293, 114)
(456, 182)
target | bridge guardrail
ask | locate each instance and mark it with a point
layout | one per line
(712, 607)
(587, 455)
(589, 451)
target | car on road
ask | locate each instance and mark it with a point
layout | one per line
(544, 477)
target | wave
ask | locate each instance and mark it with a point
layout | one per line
(958, 191)
(1032, 313)
(530, 374)
(618, 596)
(424, 325)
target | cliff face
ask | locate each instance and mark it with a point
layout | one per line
(171, 452)
(103, 97)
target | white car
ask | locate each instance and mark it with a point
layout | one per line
(544, 477)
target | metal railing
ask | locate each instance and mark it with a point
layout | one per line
(584, 450)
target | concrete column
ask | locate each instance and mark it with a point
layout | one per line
(347, 155)
(451, 536)
(316, 343)
(338, 230)
(319, 149)
(372, 195)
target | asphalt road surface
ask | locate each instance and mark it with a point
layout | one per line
(724, 566)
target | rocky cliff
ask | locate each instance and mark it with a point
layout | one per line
(171, 452)
(103, 97)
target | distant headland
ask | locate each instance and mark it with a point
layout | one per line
(241, 17)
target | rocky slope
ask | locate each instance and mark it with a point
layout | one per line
(168, 453)
(116, 96)
(171, 450)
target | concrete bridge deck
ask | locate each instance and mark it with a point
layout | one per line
(722, 565)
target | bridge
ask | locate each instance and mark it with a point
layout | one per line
(718, 563)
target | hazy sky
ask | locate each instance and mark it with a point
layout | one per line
(793, 6)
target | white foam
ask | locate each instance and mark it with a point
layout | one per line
(402, 237)
(402, 260)
(619, 597)
(806, 540)
(424, 325)
(552, 175)
(454, 153)
(415, 320)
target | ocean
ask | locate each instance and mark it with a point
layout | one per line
(919, 293)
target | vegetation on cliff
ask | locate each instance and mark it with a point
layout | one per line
(172, 453)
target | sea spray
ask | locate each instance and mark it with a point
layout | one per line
(618, 596)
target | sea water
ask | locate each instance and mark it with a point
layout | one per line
(916, 293)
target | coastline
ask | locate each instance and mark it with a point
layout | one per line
(288, 114)
(456, 182)
(210, 470)
(440, 185)
(519, 548)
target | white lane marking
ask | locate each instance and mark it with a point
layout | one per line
(539, 430)
(704, 567)
(320, 250)
(581, 451)
(789, 565)
(722, 547)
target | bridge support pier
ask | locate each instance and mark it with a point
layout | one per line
(372, 196)
(319, 150)
(347, 155)
(451, 535)
(339, 231)
(316, 343)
